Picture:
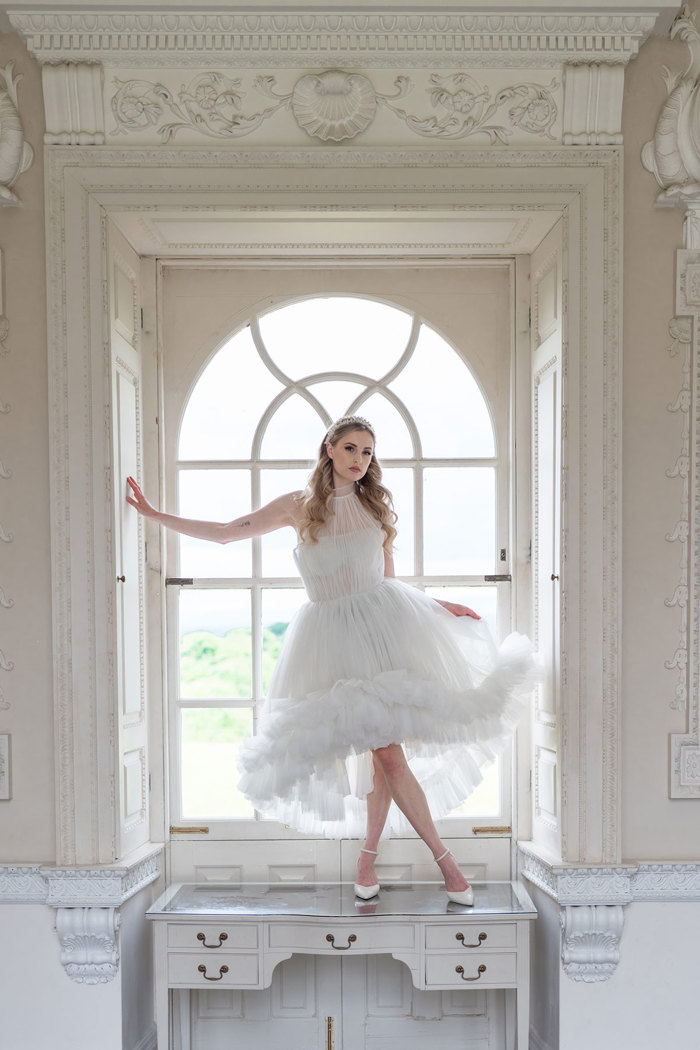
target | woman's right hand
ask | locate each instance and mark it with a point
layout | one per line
(137, 500)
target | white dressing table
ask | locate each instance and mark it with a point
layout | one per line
(234, 936)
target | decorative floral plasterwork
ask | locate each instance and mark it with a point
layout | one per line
(466, 108)
(16, 155)
(334, 106)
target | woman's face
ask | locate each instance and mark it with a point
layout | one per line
(351, 456)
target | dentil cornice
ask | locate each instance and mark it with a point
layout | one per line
(305, 38)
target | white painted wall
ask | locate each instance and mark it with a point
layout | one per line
(651, 1000)
(42, 1008)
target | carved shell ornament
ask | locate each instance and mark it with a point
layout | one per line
(673, 155)
(334, 105)
(16, 155)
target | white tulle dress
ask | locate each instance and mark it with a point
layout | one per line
(369, 661)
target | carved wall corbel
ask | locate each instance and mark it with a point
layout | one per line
(89, 943)
(590, 941)
(73, 103)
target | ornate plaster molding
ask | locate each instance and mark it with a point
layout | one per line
(590, 941)
(332, 105)
(89, 939)
(134, 39)
(673, 154)
(145, 179)
(592, 901)
(681, 332)
(16, 155)
(88, 887)
(685, 747)
(593, 104)
(581, 885)
(87, 902)
(73, 103)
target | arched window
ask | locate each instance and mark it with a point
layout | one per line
(250, 431)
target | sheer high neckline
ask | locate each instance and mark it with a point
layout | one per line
(344, 490)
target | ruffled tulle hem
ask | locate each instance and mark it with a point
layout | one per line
(311, 765)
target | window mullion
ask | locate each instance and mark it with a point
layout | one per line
(256, 594)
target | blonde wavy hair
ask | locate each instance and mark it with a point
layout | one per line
(317, 500)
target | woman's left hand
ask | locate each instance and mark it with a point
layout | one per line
(459, 610)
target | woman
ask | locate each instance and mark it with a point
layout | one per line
(379, 694)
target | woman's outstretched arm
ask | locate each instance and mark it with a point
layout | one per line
(273, 516)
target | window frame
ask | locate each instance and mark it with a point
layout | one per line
(237, 828)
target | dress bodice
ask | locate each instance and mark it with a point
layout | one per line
(347, 557)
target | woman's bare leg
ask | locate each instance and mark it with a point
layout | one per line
(378, 802)
(410, 798)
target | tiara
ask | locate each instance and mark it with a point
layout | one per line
(359, 421)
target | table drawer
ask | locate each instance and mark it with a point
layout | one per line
(213, 937)
(195, 969)
(470, 937)
(330, 938)
(476, 971)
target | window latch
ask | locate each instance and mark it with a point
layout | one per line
(504, 577)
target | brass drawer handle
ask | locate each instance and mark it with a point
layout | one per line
(222, 970)
(203, 938)
(480, 939)
(341, 947)
(460, 971)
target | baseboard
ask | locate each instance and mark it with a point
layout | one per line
(149, 1041)
(537, 1043)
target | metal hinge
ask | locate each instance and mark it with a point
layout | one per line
(179, 581)
(330, 1033)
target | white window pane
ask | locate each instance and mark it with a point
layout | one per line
(210, 739)
(295, 431)
(393, 437)
(278, 607)
(336, 395)
(277, 547)
(483, 600)
(459, 520)
(214, 495)
(226, 403)
(485, 800)
(442, 396)
(400, 481)
(336, 334)
(215, 644)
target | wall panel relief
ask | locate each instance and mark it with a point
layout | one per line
(6, 536)
(335, 105)
(673, 157)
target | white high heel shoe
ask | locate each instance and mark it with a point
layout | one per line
(458, 896)
(365, 892)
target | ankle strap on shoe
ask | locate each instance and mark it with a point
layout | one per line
(363, 850)
(442, 856)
